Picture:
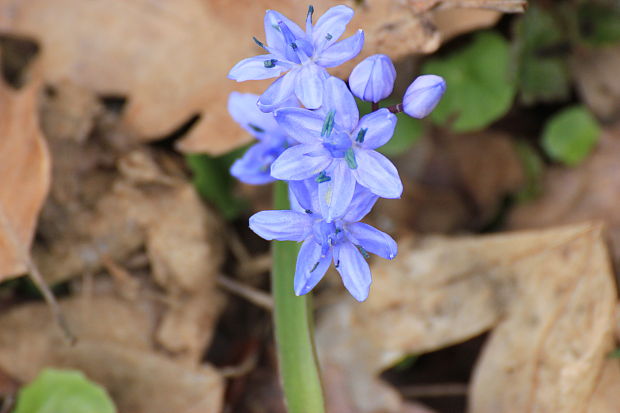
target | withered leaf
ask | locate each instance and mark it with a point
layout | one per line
(115, 349)
(170, 59)
(549, 297)
(25, 172)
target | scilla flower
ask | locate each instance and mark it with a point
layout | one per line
(423, 95)
(254, 167)
(337, 149)
(345, 241)
(373, 78)
(302, 55)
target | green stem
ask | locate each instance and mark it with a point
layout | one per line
(299, 367)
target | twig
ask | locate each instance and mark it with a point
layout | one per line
(37, 278)
(435, 390)
(246, 366)
(237, 248)
(256, 265)
(253, 295)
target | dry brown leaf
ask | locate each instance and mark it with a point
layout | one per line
(115, 349)
(69, 112)
(451, 185)
(596, 73)
(106, 207)
(549, 294)
(506, 6)
(590, 191)
(171, 58)
(25, 172)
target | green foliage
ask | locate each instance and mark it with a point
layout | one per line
(599, 22)
(542, 69)
(570, 135)
(533, 170)
(406, 362)
(408, 130)
(214, 183)
(480, 89)
(63, 391)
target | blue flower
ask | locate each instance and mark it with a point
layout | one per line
(254, 167)
(302, 55)
(423, 95)
(373, 78)
(338, 149)
(345, 241)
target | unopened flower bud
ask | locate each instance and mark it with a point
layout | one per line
(423, 95)
(373, 78)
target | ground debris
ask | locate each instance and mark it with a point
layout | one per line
(548, 297)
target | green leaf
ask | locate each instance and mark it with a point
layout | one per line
(570, 135)
(214, 183)
(408, 130)
(542, 69)
(599, 22)
(533, 169)
(480, 88)
(63, 391)
(406, 362)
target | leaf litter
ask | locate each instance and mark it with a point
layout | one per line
(163, 56)
(548, 296)
(141, 254)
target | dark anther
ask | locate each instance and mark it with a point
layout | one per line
(322, 177)
(363, 251)
(349, 156)
(360, 135)
(328, 124)
(255, 128)
(258, 42)
(269, 63)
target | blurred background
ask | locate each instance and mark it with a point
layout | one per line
(115, 145)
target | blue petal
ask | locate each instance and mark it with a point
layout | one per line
(373, 78)
(311, 266)
(301, 124)
(354, 270)
(255, 165)
(242, 107)
(300, 162)
(373, 240)
(363, 201)
(278, 93)
(423, 95)
(305, 193)
(340, 52)
(253, 68)
(330, 26)
(337, 97)
(379, 127)
(275, 38)
(336, 194)
(281, 225)
(309, 85)
(377, 173)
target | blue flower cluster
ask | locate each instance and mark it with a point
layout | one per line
(310, 134)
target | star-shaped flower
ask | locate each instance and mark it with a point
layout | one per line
(337, 149)
(254, 167)
(345, 241)
(302, 55)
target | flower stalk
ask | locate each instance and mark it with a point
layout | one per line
(298, 364)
